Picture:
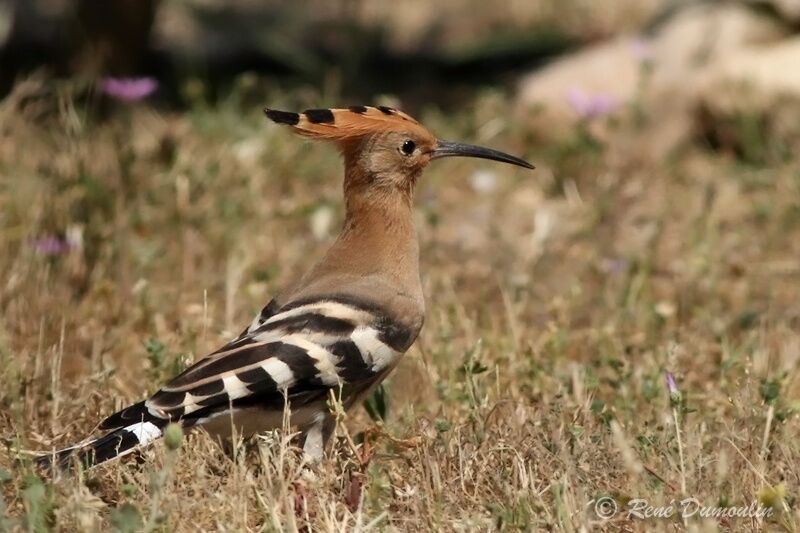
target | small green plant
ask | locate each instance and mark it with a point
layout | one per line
(38, 503)
(126, 518)
(163, 363)
(377, 405)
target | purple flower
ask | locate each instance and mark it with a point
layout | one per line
(674, 393)
(129, 89)
(615, 265)
(52, 245)
(641, 49)
(589, 106)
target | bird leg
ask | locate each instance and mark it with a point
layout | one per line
(316, 436)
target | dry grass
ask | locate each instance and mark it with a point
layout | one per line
(557, 301)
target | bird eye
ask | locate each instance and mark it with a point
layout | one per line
(408, 147)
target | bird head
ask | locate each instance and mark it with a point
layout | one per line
(383, 147)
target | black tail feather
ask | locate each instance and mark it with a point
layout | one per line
(130, 428)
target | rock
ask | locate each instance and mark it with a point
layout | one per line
(607, 71)
(764, 74)
(666, 75)
(751, 105)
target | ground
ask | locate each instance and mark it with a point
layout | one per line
(136, 238)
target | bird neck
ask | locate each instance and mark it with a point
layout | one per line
(378, 234)
(374, 259)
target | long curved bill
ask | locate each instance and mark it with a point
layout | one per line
(456, 149)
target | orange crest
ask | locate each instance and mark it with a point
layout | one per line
(347, 123)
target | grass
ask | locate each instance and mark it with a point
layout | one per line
(557, 302)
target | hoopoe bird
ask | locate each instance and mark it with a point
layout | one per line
(341, 328)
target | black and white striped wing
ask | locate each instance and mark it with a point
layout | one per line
(297, 353)
(294, 354)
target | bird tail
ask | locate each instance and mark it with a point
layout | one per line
(131, 428)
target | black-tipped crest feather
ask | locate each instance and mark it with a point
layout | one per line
(282, 117)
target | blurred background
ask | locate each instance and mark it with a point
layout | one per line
(366, 47)
(147, 211)
(689, 61)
